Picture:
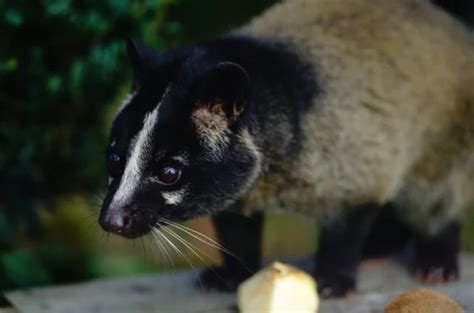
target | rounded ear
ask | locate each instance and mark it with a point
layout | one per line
(141, 59)
(224, 85)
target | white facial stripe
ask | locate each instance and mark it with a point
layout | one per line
(139, 155)
(174, 197)
(126, 101)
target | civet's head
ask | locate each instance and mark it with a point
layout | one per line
(179, 147)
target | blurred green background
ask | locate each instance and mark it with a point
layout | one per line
(63, 71)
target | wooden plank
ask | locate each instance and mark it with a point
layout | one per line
(177, 292)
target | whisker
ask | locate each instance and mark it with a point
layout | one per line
(152, 247)
(187, 245)
(184, 257)
(162, 246)
(175, 248)
(145, 255)
(190, 247)
(201, 237)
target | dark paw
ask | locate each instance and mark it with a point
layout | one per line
(335, 286)
(435, 271)
(221, 279)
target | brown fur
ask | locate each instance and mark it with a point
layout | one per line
(423, 301)
(396, 116)
(212, 127)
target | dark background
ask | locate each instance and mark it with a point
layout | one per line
(63, 71)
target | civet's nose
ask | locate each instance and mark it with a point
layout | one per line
(115, 221)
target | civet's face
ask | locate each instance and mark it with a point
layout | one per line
(177, 148)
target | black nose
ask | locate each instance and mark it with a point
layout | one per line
(117, 222)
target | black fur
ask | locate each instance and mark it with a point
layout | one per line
(388, 236)
(436, 258)
(242, 235)
(461, 9)
(274, 77)
(278, 77)
(340, 250)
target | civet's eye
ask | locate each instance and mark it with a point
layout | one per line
(168, 174)
(114, 164)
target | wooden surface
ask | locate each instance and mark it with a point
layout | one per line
(177, 292)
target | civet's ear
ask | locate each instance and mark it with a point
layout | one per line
(141, 59)
(222, 90)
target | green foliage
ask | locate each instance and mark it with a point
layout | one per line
(61, 63)
(23, 269)
(192, 20)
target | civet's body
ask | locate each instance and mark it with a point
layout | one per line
(321, 107)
